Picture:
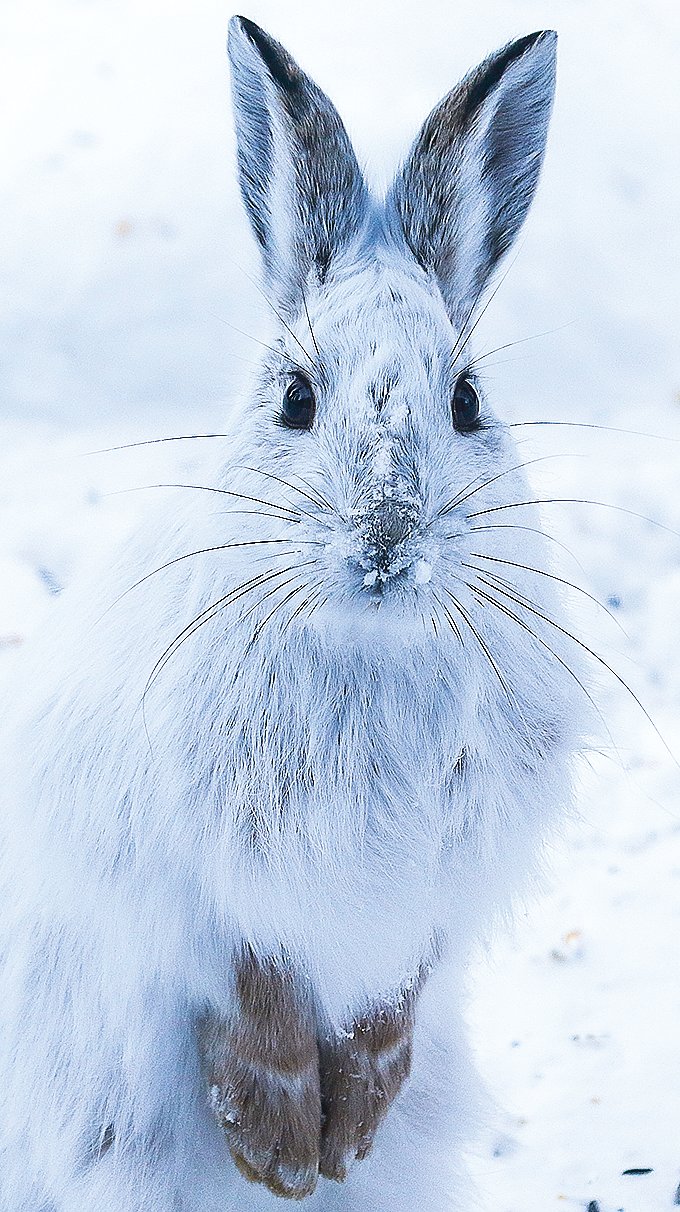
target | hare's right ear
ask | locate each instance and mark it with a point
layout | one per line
(465, 189)
(301, 184)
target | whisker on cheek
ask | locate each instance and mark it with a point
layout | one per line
(576, 501)
(481, 555)
(205, 616)
(510, 614)
(206, 551)
(293, 515)
(466, 495)
(533, 609)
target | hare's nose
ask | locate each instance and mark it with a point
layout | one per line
(393, 523)
(388, 524)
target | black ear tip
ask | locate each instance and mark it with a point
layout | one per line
(244, 25)
(281, 67)
(546, 36)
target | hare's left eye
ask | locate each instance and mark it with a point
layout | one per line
(465, 405)
(298, 405)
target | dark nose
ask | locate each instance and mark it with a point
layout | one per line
(393, 524)
(388, 524)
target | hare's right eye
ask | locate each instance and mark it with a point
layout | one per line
(299, 405)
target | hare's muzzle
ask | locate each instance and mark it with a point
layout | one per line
(386, 531)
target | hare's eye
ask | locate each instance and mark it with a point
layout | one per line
(299, 406)
(465, 405)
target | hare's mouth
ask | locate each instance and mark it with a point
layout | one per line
(401, 569)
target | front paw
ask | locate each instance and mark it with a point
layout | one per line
(362, 1073)
(262, 1068)
(272, 1126)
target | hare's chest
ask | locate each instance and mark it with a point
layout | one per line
(352, 752)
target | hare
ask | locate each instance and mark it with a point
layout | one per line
(272, 773)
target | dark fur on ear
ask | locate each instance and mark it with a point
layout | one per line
(465, 189)
(300, 180)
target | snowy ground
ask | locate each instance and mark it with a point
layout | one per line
(122, 246)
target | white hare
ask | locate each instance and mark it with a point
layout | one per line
(271, 775)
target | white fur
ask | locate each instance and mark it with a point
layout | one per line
(347, 783)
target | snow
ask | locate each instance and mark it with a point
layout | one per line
(125, 261)
(423, 572)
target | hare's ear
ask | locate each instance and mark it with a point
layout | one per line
(465, 189)
(301, 184)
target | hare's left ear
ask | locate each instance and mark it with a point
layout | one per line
(465, 189)
(301, 184)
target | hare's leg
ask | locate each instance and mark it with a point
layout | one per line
(262, 1067)
(102, 1100)
(184, 1170)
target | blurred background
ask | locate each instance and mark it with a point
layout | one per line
(124, 261)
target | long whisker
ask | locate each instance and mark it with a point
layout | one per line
(277, 313)
(204, 616)
(210, 611)
(196, 437)
(449, 617)
(529, 529)
(265, 596)
(481, 555)
(311, 330)
(522, 341)
(633, 433)
(319, 501)
(313, 596)
(223, 492)
(575, 501)
(491, 601)
(490, 658)
(462, 336)
(280, 353)
(483, 645)
(466, 495)
(182, 437)
(465, 336)
(318, 605)
(297, 589)
(227, 599)
(206, 551)
(279, 606)
(435, 627)
(595, 655)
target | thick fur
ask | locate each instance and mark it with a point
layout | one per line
(346, 777)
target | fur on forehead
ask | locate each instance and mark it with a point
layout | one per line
(379, 312)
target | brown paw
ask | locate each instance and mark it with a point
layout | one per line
(361, 1074)
(263, 1074)
(272, 1128)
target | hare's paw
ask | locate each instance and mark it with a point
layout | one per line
(262, 1068)
(361, 1074)
(272, 1126)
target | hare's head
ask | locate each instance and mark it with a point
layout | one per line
(369, 404)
